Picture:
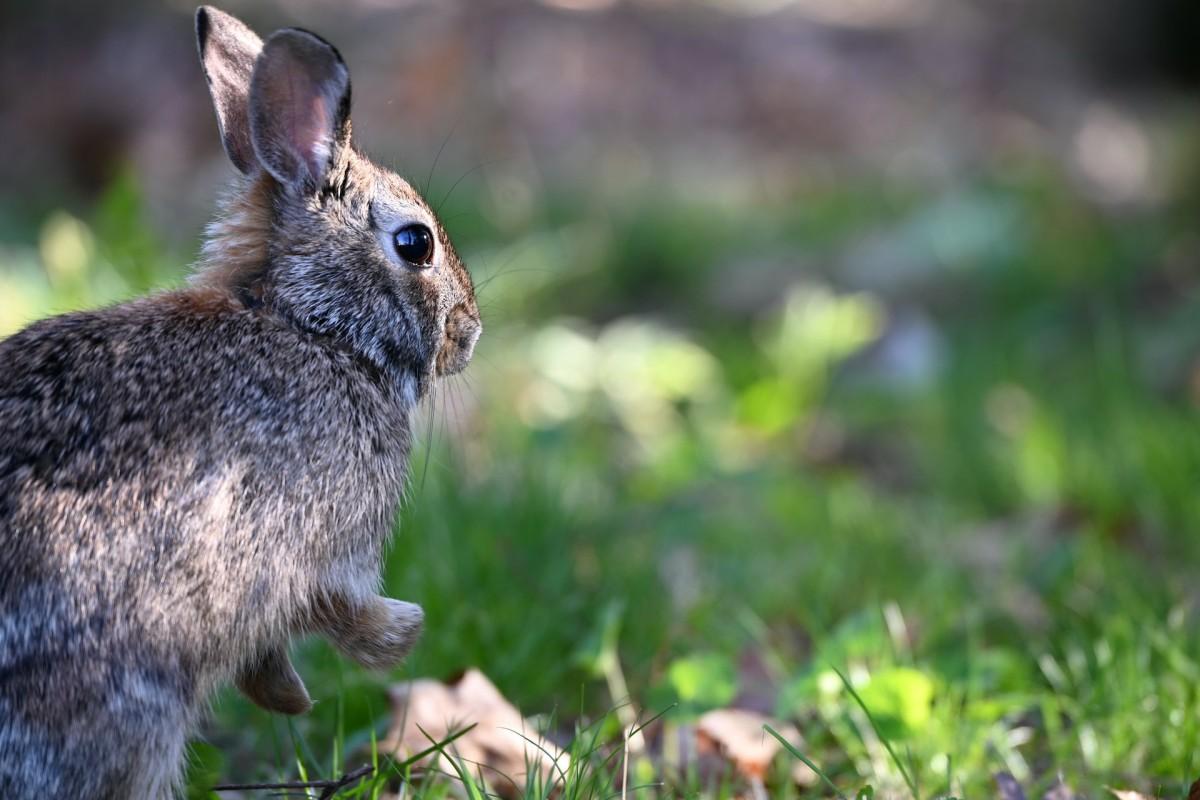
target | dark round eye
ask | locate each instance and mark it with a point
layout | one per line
(415, 245)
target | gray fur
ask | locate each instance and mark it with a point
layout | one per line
(228, 50)
(190, 479)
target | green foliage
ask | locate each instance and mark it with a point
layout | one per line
(900, 700)
(701, 682)
(658, 478)
(78, 263)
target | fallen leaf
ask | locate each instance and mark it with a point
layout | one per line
(501, 747)
(738, 736)
(1129, 794)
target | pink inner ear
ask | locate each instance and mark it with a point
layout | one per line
(296, 91)
(306, 120)
(311, 133)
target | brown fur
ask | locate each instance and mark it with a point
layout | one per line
(191, 479)
(235, 242)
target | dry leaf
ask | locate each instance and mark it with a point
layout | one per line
(738, 736)
(1129, 794)
(500, 747)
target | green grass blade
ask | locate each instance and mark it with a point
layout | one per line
(301, 752)
(904, 773)
(820, 772)
(378, 786)
(473, 791)
(553, 759)
(436, 747)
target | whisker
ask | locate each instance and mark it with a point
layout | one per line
(451, 411)
(512, 256)
(451, 217)
(503, 273)
(476, 168)
(436, 158)
(431, 439)
(464, 380)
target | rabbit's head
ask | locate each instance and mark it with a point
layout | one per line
(318, 235)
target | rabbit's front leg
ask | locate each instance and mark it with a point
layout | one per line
(375, 631)
(272, 683)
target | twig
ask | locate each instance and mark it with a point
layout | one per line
(330, 787)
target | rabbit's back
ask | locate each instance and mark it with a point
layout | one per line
(176, 477)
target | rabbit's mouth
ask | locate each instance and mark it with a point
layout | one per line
(458, 342)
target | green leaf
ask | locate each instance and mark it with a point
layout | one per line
(205, 765)
(598, 652)
(901, 698)
(703, 681)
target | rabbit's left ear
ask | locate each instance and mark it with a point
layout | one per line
(228, 50)
(299, 108)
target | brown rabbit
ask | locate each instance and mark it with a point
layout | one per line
(190, 479)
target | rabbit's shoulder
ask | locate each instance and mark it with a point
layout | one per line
(184, 371)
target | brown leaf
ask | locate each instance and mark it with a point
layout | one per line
(1194, 792)
(1129, 794)
(500, 747)
(738, 736)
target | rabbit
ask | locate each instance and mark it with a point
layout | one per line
(191, 479)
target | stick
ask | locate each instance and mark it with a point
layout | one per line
(330, 786)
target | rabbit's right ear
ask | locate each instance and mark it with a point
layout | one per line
(299, 108)
(228, 50)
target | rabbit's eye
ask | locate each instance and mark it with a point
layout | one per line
(415, 245)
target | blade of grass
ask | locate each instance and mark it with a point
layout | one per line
(820, 772)
(301, 752)
(473, 792)
(545, 752)
(339, 736)
(437, 747)
(378, 787)
(648, 722)
(904, 773)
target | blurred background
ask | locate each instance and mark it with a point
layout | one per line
(853, 335)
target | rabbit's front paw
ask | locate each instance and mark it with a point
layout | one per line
(271, 682)
(379, 634)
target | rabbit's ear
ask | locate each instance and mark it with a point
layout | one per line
(228, 50)
(299, 107)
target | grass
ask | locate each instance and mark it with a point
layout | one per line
(938, 570)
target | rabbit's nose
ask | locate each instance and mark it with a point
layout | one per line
(461, 333)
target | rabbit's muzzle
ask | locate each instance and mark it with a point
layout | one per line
(461, 332)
